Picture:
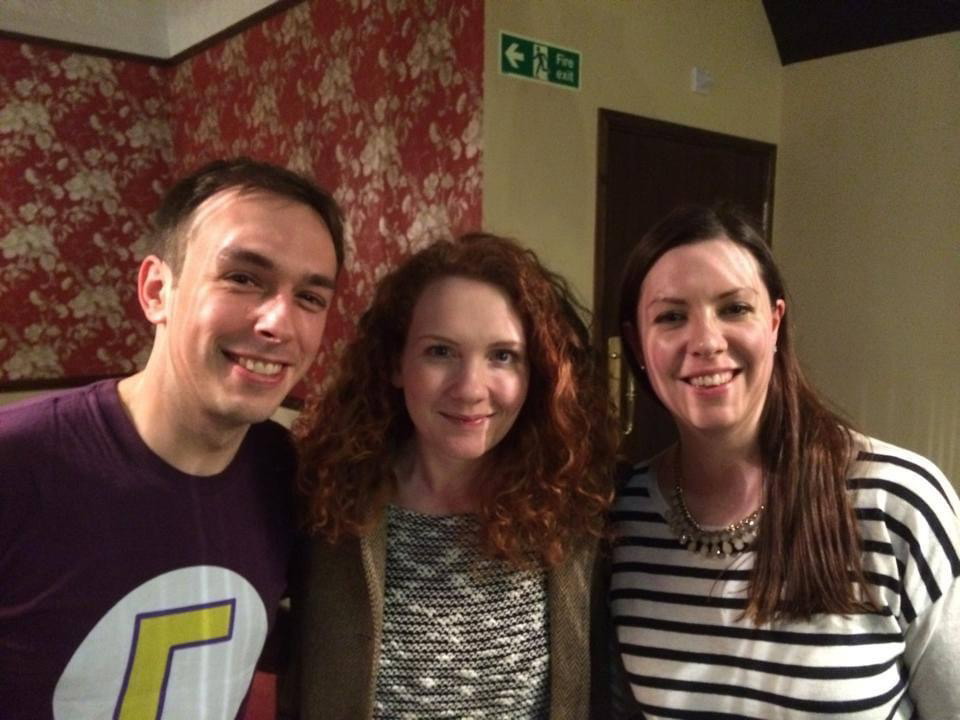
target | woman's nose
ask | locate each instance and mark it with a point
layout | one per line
(469, 384)
(707, 337)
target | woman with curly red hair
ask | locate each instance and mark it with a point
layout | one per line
(457, 475)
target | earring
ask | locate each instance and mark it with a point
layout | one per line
(774, 349)
(643, 367)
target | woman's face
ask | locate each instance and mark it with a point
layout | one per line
(464, 370)
(707, 334)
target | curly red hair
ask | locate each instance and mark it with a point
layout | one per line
(549, 483)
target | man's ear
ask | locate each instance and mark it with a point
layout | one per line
(154, 283)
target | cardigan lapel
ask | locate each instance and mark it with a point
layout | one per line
(568, 587)
(373, 555)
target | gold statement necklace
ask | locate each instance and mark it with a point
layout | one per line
(720, 543)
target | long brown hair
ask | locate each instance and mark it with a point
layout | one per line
(548, 484)
(808, 550)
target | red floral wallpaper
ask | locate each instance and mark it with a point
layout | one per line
(380, 101)
(85, 148)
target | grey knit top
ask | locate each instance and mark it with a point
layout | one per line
(464, 636)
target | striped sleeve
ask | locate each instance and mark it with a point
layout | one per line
(908, 508)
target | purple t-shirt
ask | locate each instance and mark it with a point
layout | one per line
(129, 589)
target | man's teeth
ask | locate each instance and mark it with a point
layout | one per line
(260, 367)
(711, 380)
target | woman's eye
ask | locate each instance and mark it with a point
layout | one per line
(439, 351)
(505, 356)
(669, 316)
(738, 308)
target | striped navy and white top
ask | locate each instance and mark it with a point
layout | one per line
(687, 653)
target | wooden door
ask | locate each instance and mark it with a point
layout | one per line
(645, 169)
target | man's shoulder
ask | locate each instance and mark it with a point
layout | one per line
(38, 418)
(52, 436)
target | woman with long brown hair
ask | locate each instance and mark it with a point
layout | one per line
(774, 563)
(456, 475)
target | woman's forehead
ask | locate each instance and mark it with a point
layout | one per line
(713, 262)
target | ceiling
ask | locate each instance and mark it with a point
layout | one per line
(807, 29)
(161, 29)
(158, 30)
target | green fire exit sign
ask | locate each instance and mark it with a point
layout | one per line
(539, 61)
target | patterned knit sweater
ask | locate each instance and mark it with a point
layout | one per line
(464, 636)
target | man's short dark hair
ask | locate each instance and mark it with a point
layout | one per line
(242, 173)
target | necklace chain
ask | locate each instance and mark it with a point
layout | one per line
(733, 538)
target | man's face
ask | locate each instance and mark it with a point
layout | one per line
(244, 320)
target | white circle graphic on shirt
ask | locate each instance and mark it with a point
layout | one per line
(182, 645)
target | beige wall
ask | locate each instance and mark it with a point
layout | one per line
(867, 228)
(867, 217)
(540, 141)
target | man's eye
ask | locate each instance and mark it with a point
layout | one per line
(314, 302)
(239, 278)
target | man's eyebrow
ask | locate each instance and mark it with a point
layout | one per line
(318, 280)
(251, 257)
(247, 256)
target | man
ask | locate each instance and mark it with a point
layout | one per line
(145, 523)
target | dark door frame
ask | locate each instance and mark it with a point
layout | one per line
(613, 119)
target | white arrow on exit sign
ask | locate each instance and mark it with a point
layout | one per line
(513, 54)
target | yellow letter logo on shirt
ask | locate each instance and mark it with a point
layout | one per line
(157, 637)
(183, 644)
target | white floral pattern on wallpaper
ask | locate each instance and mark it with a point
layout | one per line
(379, 100)
(85, 148)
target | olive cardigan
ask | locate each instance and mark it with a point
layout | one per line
(338, 626)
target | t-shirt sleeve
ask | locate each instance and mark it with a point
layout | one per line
(933, 656)
(921, 513)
